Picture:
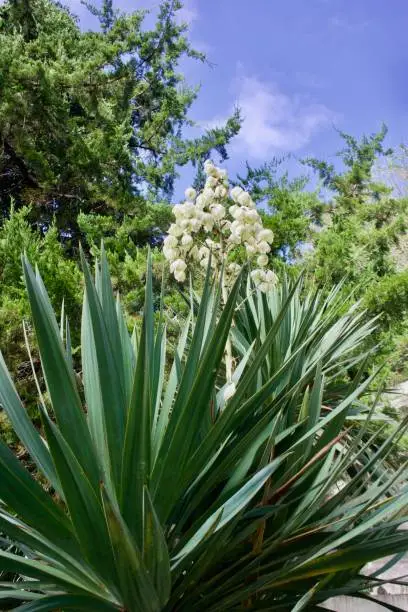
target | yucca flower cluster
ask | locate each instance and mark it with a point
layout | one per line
(218, 221)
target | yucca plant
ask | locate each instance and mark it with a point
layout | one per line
(165, 495)
(309, 326)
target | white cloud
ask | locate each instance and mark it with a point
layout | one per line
(275, 121)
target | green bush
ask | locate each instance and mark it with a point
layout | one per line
(64, 283)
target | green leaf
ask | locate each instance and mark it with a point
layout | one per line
(155, 552)
(108, 305)
(136, 586)
(58, 374)
(77, 603)
(58, 576)
(93, 394)
(84, 506)
(136, 456)
(170, 392)
(229, 509)
(30, 502)
(190, 413)
(29, 436)
(111, 394)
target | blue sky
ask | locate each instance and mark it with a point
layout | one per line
(297, 68)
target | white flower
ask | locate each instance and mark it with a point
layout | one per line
(190, 194)
(211, 182)
(226, 226)
(200, 201)
(229, 391)
(189, 210)
(262, 260)
(263, 247)
(244, 199)
(180, 276)
(266, 234)
(208, 222)
(220, 192)
(184, 224)
(187, 240)
(175, 230)
(257, 275)
(178, 210)
(218, 212)
(239, 213)
(170, 254)
(210, 169)
(251, 215)
(246, 233)
(179, 265)
(236, 192)
(222, 174)
(170, 242)
(208, 196)
(234, 238)
(208, 164)
(234, 268)
(204, 252)
(250, 249)
(265, 280)
(270, 277)
(195, 225)
(204, 262)
(239, 229)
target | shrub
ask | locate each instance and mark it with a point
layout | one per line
(171, 496)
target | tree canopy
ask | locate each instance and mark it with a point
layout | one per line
(363, 218)
(94, 121)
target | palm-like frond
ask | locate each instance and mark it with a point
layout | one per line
(168, 497)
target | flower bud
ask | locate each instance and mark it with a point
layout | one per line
(179, 265)
(208, 222)
(170, 241)
(234, 268)
(266, 234)
(218, 212)
(200, 201)
(170, 254)
(210, 169)
(190, 194)
(220, 192)
(251, 215)
(211, 182)
(178, 210)
(262, 260)
(180, 276)
(235, 193)
(244, 199)
(186, 240)
(263, 247)
(175, 230)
